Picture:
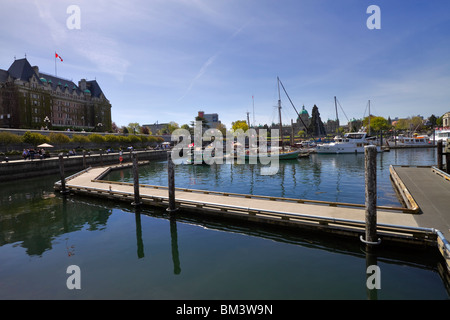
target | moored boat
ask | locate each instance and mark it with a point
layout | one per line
(416, 140)
(352, 142)
(442, 134)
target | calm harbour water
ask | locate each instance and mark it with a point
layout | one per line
(123, 254)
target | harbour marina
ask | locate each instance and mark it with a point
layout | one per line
(338, 218)
(134, 253)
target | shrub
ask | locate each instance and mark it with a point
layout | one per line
(78, 138)
(133, 139)
(59, 138)
(112, 138)
(8, 138)
(34, 138)
(124, 139)
(96, 138)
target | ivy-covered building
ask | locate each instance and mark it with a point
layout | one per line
(30, 99)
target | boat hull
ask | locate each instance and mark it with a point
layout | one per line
(281, 156)
(336, 149)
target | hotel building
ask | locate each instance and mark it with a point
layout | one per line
(30, 99)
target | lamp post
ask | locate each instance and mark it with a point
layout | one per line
(46, 121)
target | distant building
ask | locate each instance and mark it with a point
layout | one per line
(446, 120)
(30, 99)
(211, 119)
(156, 128)
(332, 126)
(302, 122)
(354, 125)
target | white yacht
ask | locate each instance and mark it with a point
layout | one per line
(416, 140)
(352, 142)
(442, 134)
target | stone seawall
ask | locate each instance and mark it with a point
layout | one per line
(21, 169)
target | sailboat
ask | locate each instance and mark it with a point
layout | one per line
(283, 154)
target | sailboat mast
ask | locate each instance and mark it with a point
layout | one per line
(337, 118)
(253, 101)
(369, 117)
(279, 113)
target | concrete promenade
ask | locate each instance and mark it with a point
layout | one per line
(20, 169)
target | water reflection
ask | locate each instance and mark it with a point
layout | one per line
(140, 243)
(32, 215)
(174, 242)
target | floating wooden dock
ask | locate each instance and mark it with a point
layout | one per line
(428, 189)
(394, 224)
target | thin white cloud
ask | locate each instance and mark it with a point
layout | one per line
(211, 59)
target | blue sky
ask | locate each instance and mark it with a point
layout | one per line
(165, 60)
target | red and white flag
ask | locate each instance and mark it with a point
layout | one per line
(58, 56)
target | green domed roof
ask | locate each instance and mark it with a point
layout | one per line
(304, 110)
(43, 80)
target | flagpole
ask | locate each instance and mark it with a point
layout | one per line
(55, 66)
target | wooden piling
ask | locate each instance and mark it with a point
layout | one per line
(371, 194)
(84, 159)
(447, 162)
(439, 155)
(137, 198)
(171, 182)
(62, 174)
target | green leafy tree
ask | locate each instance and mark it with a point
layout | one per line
(205, 123)
(432, 120)
(402, 124)
(222, 128)
(239, 124)
(416, 124)
(376, 123)
(316, 126)
(134, 127)
(170, 127)
(188, 128)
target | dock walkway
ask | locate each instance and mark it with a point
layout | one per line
(429, 188)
